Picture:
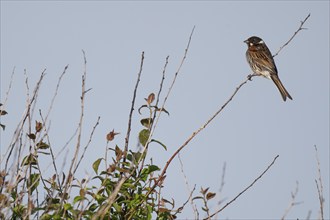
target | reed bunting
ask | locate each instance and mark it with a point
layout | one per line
(262, 63)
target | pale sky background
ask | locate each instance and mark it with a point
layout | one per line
(255, 127)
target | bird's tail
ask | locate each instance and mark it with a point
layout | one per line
(280, 87)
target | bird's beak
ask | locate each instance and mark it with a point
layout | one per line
(246, 41)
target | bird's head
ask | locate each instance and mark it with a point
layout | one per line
(254, 41)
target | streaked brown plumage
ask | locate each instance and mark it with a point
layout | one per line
(262, 63)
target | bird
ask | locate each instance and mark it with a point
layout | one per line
(262, 63)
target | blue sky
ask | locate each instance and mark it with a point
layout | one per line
(255, 127)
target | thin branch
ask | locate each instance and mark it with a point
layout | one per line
(102, 211)
(155, 112)
(295, 33)
(222, 178)
(197, 131)
(56, 91)
(82, 106)
(188, 188)
(44, 121)
(20, 125)
(132, 106)
(185, 203)
(9, 87)
(206, 207)
(292, 202)
(162, 81)
(319, 184)
(309, 213)
(222, 184)
(168, 94)
(89, 141)
(51, 150)
(248, 187)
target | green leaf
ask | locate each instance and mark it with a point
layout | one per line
(96, 165)
(146, 122)
(29, 160)
(153, 168)
(144, 136)
(146, 171)
(67, 206)
(99, 198)
(42, 145)
(117, 207)
(134, 156)
(46, 217)
(93, 207)
(163, 145)
(33, 181)
(77, 199)
(19, 210)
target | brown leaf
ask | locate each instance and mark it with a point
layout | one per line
(150, 98)
(210, 195)
(3, 112)
(111, 168)
(204, 191)
(82, 192)
(111, 135)
(38, 126)
(32, 136)
(119, 153)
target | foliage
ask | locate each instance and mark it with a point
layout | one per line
(135, 199)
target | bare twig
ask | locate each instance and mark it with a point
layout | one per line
(222, 178)
(161, 83)
(292, 202)
(168, 94)
(44, 121)
(102, 211)
(19, 128)
(152, 128)
(295, 33)
(51, 151)
(56, 91)
(197, 131)
(319, 184)
(222, 184)
(9, 87)
(248, 187)
(188, 188)
(75, 157)
(132, 106)
(185, 203)
(309, 213)
(89, 141)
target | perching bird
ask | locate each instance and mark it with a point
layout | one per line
(262, 63)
